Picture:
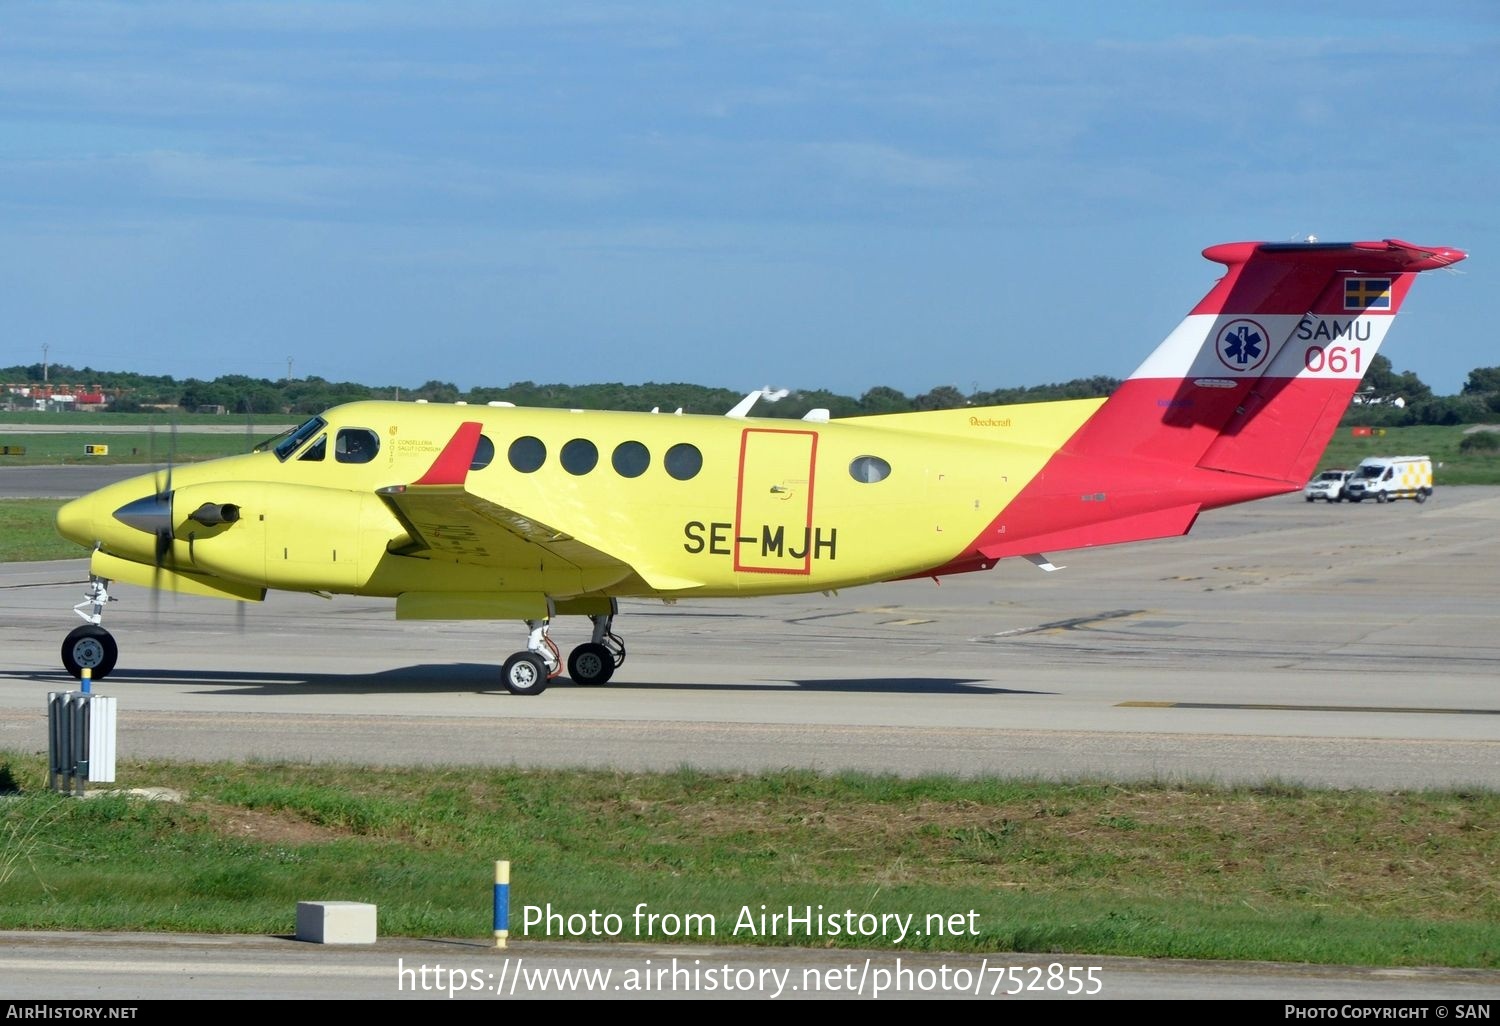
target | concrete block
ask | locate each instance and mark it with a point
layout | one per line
(336, 922)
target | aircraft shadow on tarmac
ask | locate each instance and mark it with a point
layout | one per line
(483, 678)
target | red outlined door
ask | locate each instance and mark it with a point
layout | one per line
(773, 532)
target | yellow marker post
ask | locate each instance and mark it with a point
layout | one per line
(502, 903)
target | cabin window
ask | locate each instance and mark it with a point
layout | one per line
(527, 454)
(356, 445)
(683, 461)
(869, 469)
(484, 454)
(631, 459)
(579, 456)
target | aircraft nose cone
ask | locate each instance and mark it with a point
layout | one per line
(75, 522)
(152, 514)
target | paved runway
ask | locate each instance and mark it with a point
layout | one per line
(1348, 646)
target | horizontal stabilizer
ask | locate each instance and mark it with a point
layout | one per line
(1162, 523)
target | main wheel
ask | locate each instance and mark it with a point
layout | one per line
(91, 648)
(1382, 497)
(524, 674)
(591, 664)
(1421, 495)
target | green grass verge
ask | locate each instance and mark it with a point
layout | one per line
(1273, 873)
(1450, 465)
(28, 531)
(264, 422)
(127, 447)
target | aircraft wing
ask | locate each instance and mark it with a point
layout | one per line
(450, 522)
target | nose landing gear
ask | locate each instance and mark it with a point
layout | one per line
(91, 647)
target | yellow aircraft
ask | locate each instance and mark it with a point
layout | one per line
(507, 513)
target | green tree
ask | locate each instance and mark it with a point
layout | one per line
(1483, 381)
(883, 399)
(944, 397)
(1382, 383)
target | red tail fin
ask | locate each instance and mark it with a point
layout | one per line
(1238, 403)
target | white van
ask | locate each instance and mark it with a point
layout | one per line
(1384, 478)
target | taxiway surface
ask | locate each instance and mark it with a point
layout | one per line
(1345, 646)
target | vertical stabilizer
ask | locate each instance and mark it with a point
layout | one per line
(1236, 404)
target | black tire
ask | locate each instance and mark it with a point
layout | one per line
(91, 647)
(1421, 495)
(1382, 497)
(524, 674)
(1312, 498)
(591, 664)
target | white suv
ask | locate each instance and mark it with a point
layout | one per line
(1328, 486)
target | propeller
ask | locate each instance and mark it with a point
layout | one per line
(153, 514)
(162, 527)
(156, 515)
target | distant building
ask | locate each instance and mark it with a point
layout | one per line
(54, 397)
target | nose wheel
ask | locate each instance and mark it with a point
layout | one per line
(91, 648)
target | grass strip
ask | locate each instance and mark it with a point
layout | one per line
(1270, 873)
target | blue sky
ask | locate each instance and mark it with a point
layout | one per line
(804, 195)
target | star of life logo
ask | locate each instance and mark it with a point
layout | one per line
(1242, 345)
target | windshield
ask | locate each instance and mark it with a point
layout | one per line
(1330, 475)
(1371, 471)
(289, 442)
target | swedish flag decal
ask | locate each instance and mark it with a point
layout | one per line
(1367, 293)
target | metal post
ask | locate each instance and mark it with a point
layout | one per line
(502, 903)
(54, 738)
(80, 743)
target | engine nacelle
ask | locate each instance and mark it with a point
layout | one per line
(293, 536)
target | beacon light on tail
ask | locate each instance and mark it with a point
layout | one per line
(506, 513)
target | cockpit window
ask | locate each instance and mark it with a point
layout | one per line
(292, 442)
(316, 451)
(356, 445)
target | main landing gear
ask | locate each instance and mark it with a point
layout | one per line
(91, 647)
(591, 663)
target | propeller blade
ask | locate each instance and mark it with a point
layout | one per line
(163, 532)
(171, 458)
